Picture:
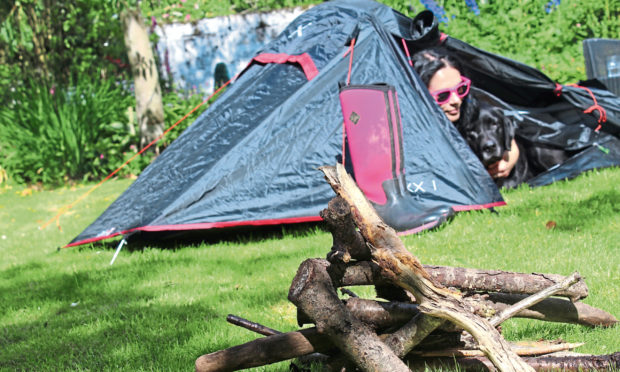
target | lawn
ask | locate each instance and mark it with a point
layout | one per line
(160, 308)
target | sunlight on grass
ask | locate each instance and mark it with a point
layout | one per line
(160, 308)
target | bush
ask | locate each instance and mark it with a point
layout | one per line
(176, 106)
(544, 34)
(56, 135)
(56, 41)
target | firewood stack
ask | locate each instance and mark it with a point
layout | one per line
(428, 315)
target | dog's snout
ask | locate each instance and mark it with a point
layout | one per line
(489, 147)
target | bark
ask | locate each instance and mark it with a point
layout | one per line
(527, 348)
(529, 301)
(312, 291)
(555, 310)
(263, 351)
(543, 363)
(405, 270)
(469, 280)
(347, 242)
(412, 333)
(252, 326)
(149, 107)
(503, 281)
(378, 315)
(384, 315)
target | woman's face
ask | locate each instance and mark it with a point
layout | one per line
(444, 78)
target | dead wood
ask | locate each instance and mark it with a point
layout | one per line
(468, 280)
(312, 291)
(503, 281)
(529, 301)
(378, 315)
(383, 315)
(523, 348)
(348, 243)
(252, 326)
(412, 333)
(263, 351)
(555, 310)
(406, 271)
(575, 363)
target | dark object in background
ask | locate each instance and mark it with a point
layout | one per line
(424, 30)
(490, 137)
(220, 75)
(602, 57)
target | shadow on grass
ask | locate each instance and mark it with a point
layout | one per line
(238, 235)
(105, 319)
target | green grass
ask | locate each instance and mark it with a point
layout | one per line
(159, 309)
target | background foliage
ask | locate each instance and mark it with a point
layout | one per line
(66, 133)
(62, 46)
(544, 34)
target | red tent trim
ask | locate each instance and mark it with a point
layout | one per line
(304, 60)
(275, 221)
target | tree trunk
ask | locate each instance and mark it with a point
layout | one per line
(149, 107)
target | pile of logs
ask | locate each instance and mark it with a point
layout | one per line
(428, 316)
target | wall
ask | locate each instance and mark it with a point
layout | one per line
(189, 52)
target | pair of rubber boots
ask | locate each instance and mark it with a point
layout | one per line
(374, 134)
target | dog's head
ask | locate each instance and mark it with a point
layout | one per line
(490, 135)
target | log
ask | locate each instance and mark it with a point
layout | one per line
(529, 301)
(263, 351)
(312, 291)
(378, 315)
(523, 348)
(503, 281)
(348, 243)
(412, 333)
(555, 310)
(406, 271)
(468, 280)
(574, 363)
(384, 315)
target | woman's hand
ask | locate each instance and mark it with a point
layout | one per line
(502, 168)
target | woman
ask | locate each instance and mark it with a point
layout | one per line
(441, 73)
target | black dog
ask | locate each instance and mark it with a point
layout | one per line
(490, 136)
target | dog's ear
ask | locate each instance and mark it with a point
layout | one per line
(509, 129)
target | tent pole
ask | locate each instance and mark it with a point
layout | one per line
(118, 249)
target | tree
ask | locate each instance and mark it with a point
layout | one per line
(149, 107)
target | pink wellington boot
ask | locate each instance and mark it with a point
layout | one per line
(374, 133)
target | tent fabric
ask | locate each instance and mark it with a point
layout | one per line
(252, 157)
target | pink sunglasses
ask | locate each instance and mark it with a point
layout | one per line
(461, 89)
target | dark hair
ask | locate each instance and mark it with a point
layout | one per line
(428, 61)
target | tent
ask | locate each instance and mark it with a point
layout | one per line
(252, 157)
